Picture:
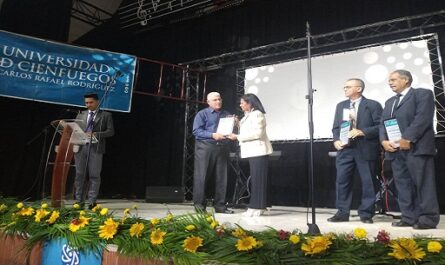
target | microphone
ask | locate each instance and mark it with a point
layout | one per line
(72, 111)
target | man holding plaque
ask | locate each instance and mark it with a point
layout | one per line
(356, 138)
(407, 135)
(211, 127)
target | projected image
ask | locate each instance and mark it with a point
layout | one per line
(282, 87)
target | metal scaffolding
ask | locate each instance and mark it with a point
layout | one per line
(351, 37)
(89, 13)
(191, 108)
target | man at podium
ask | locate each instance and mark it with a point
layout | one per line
(96, 124)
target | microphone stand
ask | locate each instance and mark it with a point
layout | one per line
(90, 141)
(313, 227)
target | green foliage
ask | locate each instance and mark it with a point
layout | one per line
(208, 242)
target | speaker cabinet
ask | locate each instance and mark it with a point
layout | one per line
(160, 194)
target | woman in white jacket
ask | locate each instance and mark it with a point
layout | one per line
(256, 147)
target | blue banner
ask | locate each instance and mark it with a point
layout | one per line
(46, 71)
(58, 252)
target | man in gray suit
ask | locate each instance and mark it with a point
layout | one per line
(412, 157)
(361, 153)
(88, 159)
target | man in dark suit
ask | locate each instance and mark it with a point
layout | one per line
(412, 156)
(361, 152)
(99, 124)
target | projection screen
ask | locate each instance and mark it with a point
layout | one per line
(282, 87)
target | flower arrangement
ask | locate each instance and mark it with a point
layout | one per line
(199, 238)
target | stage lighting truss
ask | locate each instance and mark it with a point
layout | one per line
(141, 15)
(89, 13)
(397, 30)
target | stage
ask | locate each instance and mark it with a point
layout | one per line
(278, 217)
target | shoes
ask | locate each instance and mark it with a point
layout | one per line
(223, 210)
(253, 212)
(92, 205)
(400, 224)
(420, 226)
(338, 218)
(366, 220)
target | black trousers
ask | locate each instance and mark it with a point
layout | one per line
(416, 188)
(259, 182)
(210, 160)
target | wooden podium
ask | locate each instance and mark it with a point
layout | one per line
(71, 137)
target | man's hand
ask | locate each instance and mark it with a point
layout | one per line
(218, 136)
(405, 144)
(389, 146)
(232, 137)
(355, 133)
(338, 145)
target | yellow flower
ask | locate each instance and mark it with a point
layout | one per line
(209, 219)
(214, 224)
(40, 214)
(294, 239)
(3, 207)
(360, 233)
(157, 237)
(109, 229)
(154, 221)
(190, 227)
(246, 243)
(96, 208)
(26, 211)
(134, 207)
(192, 243)
(434, 247)
(78, 223)
(44, 206)
(82, 213)
(76, 206)
(406, 249)
(316, 245)
(54, 216)
(239, 232)
(20, 205)
(126, 211)
(136, 229)
(104, 211)
(169, 217)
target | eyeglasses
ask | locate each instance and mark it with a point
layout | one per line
(348, 87)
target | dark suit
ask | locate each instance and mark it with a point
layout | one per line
(361, 154)
(102, 128)
(413, 169)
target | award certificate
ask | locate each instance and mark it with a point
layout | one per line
(393, 130)
(225, 125)
(344, 130)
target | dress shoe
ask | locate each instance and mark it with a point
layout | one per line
(338, 218)
(92, 205)
(224, 210)
(366, 220)
(400, 224)
(420, 226)
(253, 212)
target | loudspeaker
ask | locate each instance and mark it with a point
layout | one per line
(164, 194)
